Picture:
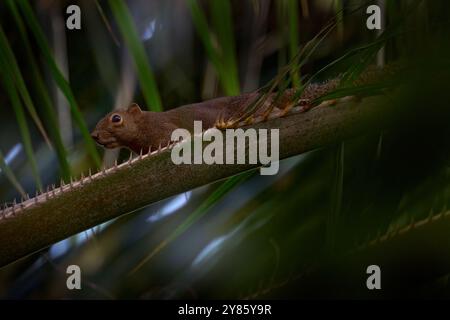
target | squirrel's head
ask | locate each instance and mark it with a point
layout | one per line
(118, 128)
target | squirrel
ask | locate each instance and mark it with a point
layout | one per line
(139, 130)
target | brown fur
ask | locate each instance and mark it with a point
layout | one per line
(144, 129)
(141, 130)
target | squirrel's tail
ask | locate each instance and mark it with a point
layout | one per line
(261, 107)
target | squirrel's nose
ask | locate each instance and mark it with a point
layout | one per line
(94, 135)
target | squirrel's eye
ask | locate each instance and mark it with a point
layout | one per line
(116, 118)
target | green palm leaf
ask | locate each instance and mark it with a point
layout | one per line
(59, 78)
(144, 72)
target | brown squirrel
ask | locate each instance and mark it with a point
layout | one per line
(140, 130)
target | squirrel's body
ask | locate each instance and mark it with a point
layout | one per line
(140, 130)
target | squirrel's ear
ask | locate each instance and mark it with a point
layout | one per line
(134, 108)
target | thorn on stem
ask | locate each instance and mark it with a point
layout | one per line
(14, 207)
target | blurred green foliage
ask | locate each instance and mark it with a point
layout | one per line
(302, 233)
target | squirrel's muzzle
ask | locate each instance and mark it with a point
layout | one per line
(95, 135)
(104, 139)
